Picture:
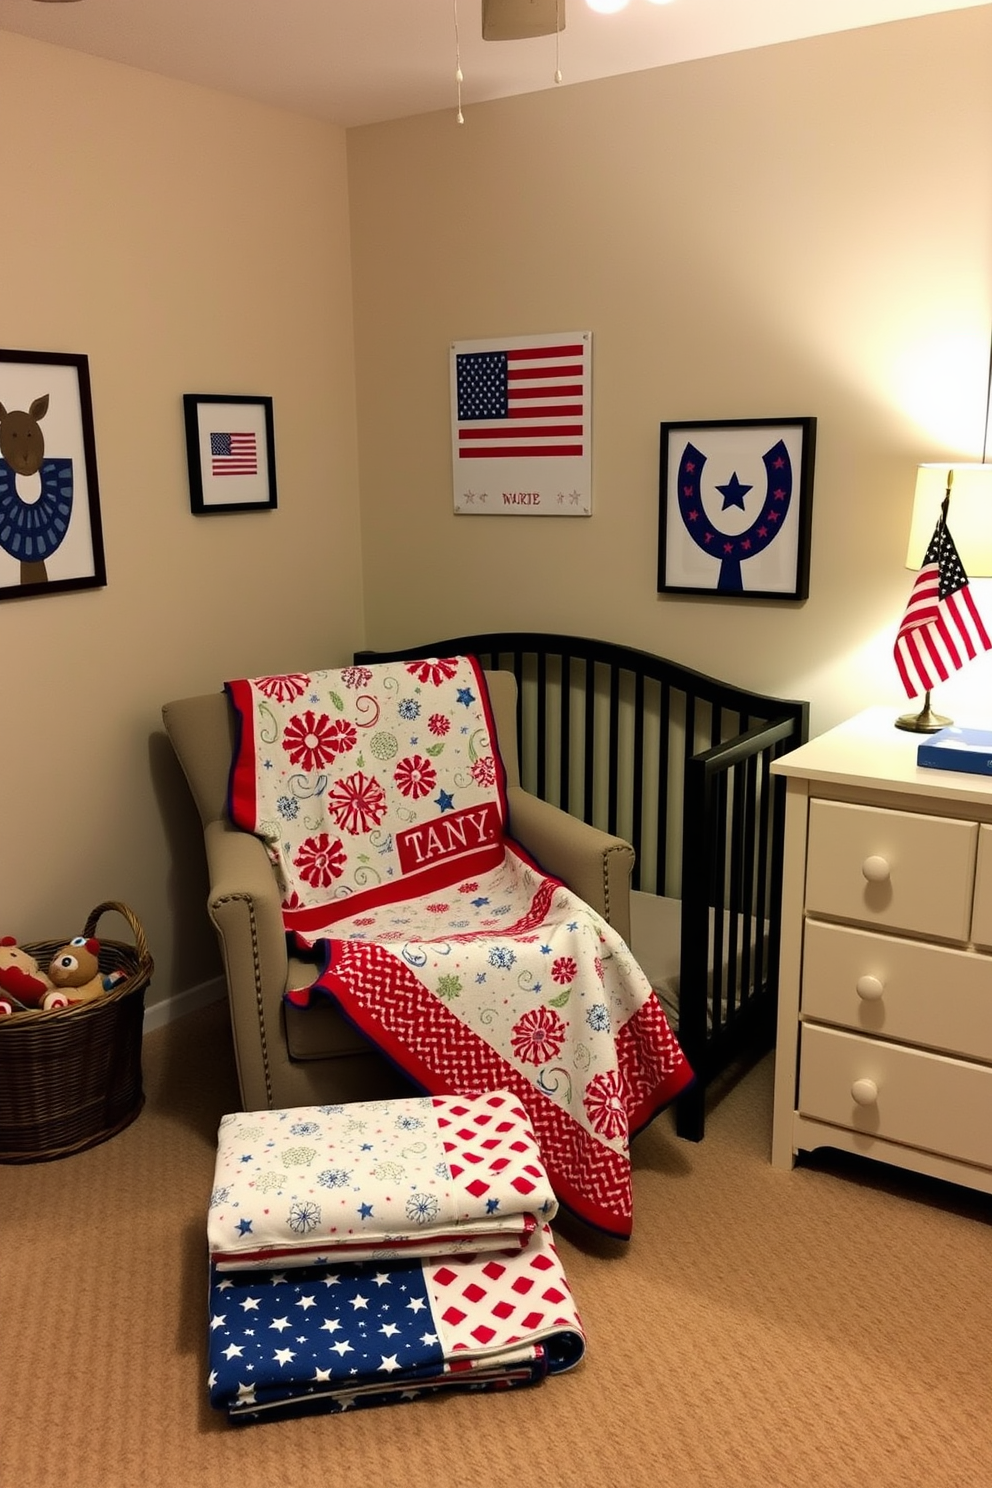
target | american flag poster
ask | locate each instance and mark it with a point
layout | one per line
(521, 420)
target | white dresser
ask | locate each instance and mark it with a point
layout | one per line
(885, 994)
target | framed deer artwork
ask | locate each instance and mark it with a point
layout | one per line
(51, 539)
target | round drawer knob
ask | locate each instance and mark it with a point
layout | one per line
(869, 988)
(865, 1092)
(875, 869)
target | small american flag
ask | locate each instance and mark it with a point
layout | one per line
(516, 404)
(941, 628)
(233, 454)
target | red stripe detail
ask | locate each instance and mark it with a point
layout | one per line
(907, 682)
(961, 626)
(560, 390)
(478, 428)
(939, 664)
(550, 410)
(531, 374)
(532, 352)
(536, 432)
(922, 675)
(521, 453)
(983, 635)
(943, 630)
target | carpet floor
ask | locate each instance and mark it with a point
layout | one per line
(825, 1328)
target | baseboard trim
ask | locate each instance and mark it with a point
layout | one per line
(190, 1001)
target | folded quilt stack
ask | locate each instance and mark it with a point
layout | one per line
(370, 1253)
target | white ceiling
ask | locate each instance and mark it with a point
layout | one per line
(363, 61)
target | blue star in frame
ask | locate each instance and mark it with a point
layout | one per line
(733, 492)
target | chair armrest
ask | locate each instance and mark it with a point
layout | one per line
(245, 908)
(594, 864)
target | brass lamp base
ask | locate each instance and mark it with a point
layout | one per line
(924, 722)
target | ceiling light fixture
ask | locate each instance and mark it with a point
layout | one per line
(519, 20)
(514, 20)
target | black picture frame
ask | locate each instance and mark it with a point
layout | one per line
(231, 453)
(51, 535)
(761, 468)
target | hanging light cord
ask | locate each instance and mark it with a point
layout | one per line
(988, 411)
(459, 79)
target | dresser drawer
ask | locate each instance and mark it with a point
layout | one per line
(900, 989)
(895, 869)
(919, 1100)
(981, 916)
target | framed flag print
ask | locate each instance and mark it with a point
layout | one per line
(51, 538)
(230, 448)
(735, 508)
(521, 416)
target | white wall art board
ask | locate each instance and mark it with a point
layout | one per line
(521, 419)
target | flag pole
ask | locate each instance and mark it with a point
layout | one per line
(927, 721)
(924, 722)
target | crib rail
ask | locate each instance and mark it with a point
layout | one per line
(678, 763)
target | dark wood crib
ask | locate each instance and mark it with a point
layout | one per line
(678, 763)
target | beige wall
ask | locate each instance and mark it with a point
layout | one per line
(186, 242)
(802, 229)
(805, 229)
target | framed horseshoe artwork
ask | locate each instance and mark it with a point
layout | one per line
(735, 508)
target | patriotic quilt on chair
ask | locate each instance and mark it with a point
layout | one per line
(380, 796)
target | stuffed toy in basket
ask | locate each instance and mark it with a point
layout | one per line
(70, 1077)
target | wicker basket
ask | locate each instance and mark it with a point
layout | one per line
(72, 1078)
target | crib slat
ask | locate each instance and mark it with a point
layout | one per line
(589, 730)
(564, 730)
(613, 769)
(637, 775)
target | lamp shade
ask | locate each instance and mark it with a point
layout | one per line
(969, 514)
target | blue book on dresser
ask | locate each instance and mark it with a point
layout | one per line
(958, 749)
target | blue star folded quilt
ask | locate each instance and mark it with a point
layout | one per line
(330, 1338)
(424, 1174)
(381, 798)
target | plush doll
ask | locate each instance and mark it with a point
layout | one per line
(75, 972)
(23, 984)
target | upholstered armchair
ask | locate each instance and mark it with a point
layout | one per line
(288, 1056)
